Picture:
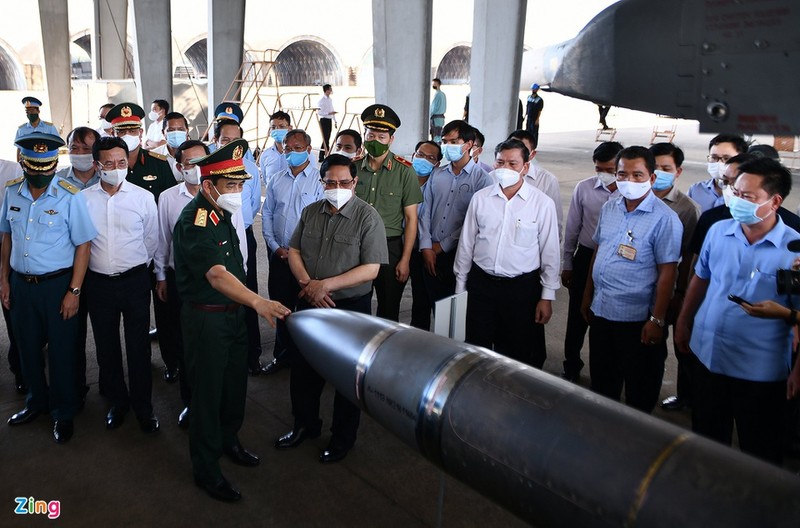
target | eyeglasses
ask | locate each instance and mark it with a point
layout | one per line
(431, 158)
(110, 165)
(332, 184)
(713, 158)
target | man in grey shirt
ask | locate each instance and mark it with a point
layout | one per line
(335, 253)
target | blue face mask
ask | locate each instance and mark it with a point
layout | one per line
(278, 134)
(744, 212)
(295, 159)
(664, 180)
(176, 137)
(422, 166)
(452, 152)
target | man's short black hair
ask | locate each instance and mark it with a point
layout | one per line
(281, 115)
(741, 158)
(108, 105)
(336, 160)
(638, 152)
(522, 134)
(513, 144)
(297, 132)
(764, 151)
(738, 141)
(480, 139)
(81, 133)
(175, 115)
(107, 143)
(668, 149)
(776, 179)
(353, 134)
(162, 104)
(606, 151)
(436, 79)
(464, 129)
(186, 145)
(225, 122)
(433, 144)
(326, 87)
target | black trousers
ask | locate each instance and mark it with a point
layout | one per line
(618, 358)
(576, 324)
(756, 407)
(109, 299)
(169, 354)
(282, 287)
(305, 388)
(325, 126)
(174, 334)
(420, 302)
(444, 283)
(13, 351)
(501, 313)
(388, 290)
(250, 315)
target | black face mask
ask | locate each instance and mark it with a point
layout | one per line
(39, 181)
(33, 117)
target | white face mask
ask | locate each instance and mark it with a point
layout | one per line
(715, 169)
(633, 190)
(230, 202)
(191, 176)
(104, 125)
(153, 116)
(350, 155)
(113, 177)
(607, 179)
(727, 194)
(505, 177)
(81, 162)
(338, 197)
(131, 141)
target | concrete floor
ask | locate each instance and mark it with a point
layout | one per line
(127, 478)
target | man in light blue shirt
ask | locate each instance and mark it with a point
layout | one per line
(272, 161)
(446, 197)
(437, 111)
(289, 193)
(740, 363)
(630, 284)
(721, 148)
(34, 124)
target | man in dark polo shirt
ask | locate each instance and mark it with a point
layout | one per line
(209, 272)
(389, 184)
(335, 253)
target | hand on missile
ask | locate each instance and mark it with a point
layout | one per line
(270, 310)
(316, 293)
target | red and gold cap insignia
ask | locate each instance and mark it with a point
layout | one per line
(126, 111)
(238, 152)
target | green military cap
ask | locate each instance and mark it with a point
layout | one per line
(380, 117)
(125, 116)
(225, 161)
(39, 151)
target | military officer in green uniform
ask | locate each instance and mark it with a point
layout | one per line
(389, 184)
(146, 169)
(210, 276)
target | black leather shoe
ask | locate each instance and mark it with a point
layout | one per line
(272, 367)
(221, 490)
(570, 376)
(115, 417)
(24, 416)
(333, 454)
(240, 455)
(148, 424)
(295, 437)
(673, 403)
(183, 418)
(254, 369)
(62, 431)
(19, 384)
(170, 375)
(153, 334)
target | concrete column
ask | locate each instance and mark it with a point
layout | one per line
(497, 34)
(225, 48)
(110, 39)
(57, 63)
(401, 54)
(153, 56)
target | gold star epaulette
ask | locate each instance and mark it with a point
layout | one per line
(156, 155)
(403, 161)
(68, 186)
(15, 181)
(201, 218)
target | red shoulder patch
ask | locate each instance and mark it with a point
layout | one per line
(403, 161)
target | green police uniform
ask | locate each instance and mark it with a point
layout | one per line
(214, 332)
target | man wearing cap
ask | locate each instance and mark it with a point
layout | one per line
(228, 110)
(34, 124)
(532, 112)
(209, 271)
(46, 239)
(389, 184)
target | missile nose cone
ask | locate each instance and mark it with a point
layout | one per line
(335, 342)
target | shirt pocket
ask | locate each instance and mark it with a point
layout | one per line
(391, 199)
(50, 228)
(345, 241)
(306, 199)
(526, 233)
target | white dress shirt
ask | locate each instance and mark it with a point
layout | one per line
(127, 227)
(170, 205)
(325, 105)
(154, 132)
(507, 238)
(545, 181)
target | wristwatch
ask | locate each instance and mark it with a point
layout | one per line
(74, 291)
(658, 322)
